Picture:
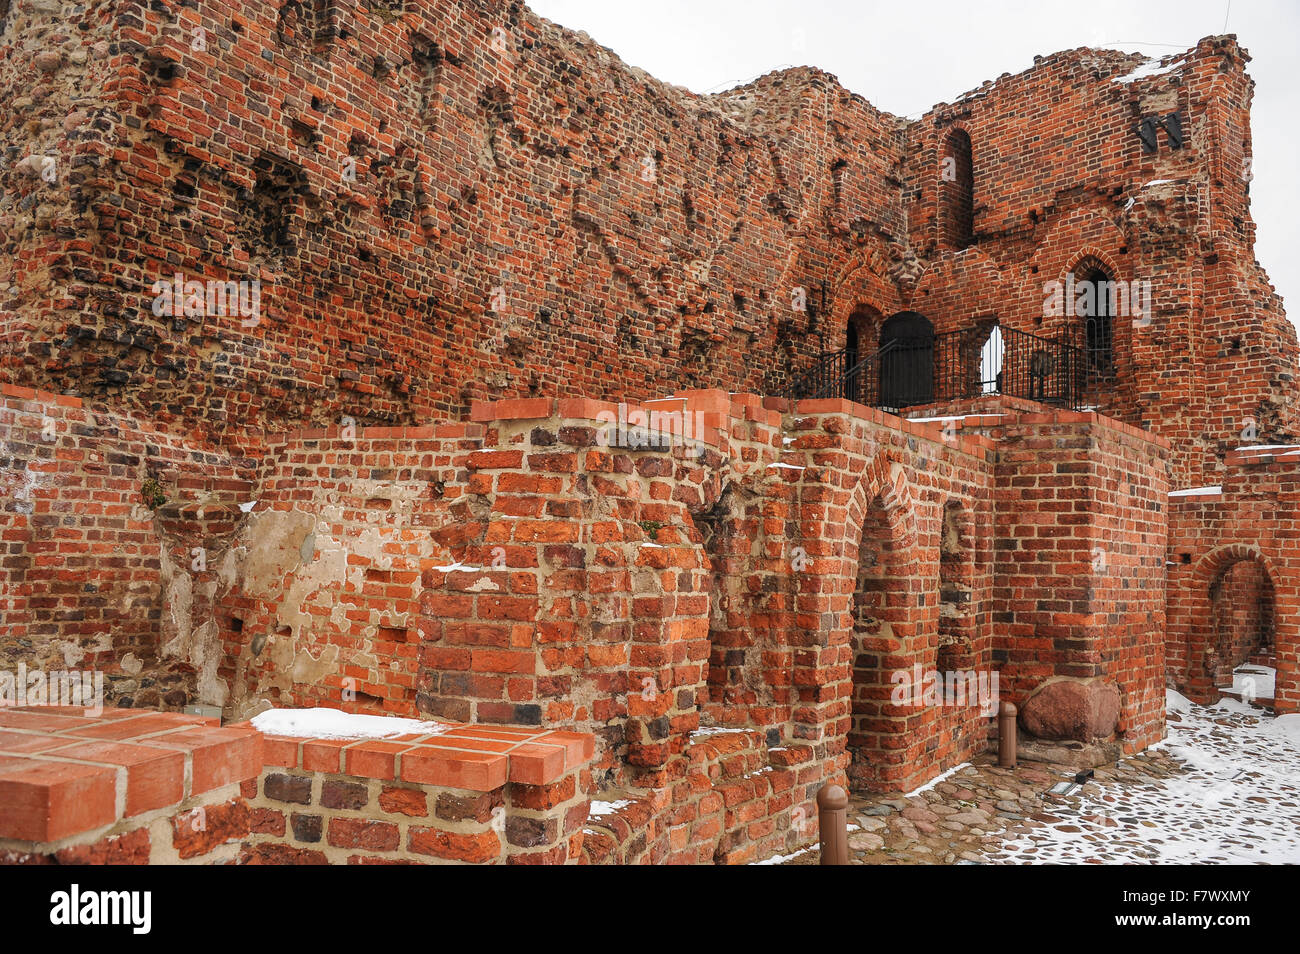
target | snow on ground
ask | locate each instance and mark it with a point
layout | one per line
(936, 780)
(1238, 804)
(322, 723)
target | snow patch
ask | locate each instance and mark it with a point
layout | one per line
(937, 779)
(1286, 727)
(324, 723)
(715, 730)
(1148, 69)
(1197, 491)
(599, 808)
(1235, 804)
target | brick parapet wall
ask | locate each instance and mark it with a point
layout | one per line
(510, 795)
(120, 786)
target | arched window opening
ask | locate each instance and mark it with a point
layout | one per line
(858, 335)
(991, 358)
(957, 191)
(1095, 307)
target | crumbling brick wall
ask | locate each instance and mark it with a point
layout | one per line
(426, 206)
(1075, 184)
(444, 202)
(113, 537)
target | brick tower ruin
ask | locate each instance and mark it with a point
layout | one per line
(317, 317)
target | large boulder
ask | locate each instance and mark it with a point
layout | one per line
(1077, 709)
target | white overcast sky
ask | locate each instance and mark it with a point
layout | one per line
(906, 56)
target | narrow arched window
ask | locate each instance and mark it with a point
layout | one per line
(956, 191)
(1096, 306)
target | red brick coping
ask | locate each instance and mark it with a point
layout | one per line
(64, 772)
(478, 758)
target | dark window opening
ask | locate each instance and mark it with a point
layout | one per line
(1095, 301)
(957, 191)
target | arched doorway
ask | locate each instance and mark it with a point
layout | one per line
(906, 361)
(882, 632)
(1241, 628)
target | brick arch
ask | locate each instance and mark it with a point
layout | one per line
(863, 283)
(1070, 242)
(885, 627)
(1093, 253)
(885, 478)
(1200, 682)
(1067, 241)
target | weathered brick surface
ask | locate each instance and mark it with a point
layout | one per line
(458, 203)
(435, 145)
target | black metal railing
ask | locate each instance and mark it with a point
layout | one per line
(841, 374)
(987, 359)
(996, 360)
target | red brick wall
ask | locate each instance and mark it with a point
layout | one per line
(322, 606)
(459, 202)
(388, 201)
(1079, 582)
(93, 578)
(1251, 523)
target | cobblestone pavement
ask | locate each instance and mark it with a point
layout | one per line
(1223, 787)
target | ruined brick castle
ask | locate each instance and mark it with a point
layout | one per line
(316, 319)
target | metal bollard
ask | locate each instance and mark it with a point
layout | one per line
(833, 824)
(1007, 735)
